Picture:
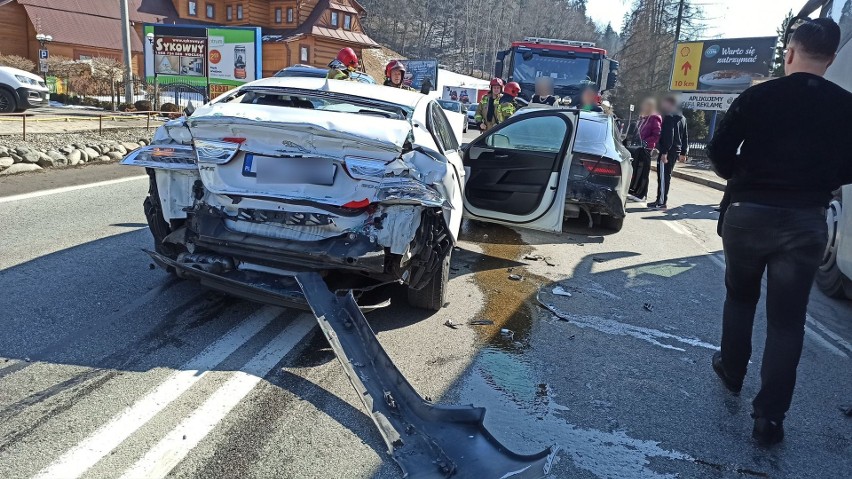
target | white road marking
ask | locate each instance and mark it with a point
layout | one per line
(65, 189)
(92, 449)
(811, 322)
(174, 447)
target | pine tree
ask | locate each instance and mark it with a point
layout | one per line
(778, 63)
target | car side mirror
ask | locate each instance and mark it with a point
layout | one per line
(497, 140)
(498, 64)
(612, 80)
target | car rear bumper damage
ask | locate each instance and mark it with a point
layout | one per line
(596, 198)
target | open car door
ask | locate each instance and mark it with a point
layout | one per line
(517, 172)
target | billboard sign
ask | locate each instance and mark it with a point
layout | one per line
(417, 71)
(707, 101)
(461, 94)
(724, 65)
(217, 59)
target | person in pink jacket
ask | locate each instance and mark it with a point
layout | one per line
(648, 131)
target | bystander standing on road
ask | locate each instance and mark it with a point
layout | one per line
(486, 112)
(779, 185)
(673, 147)
(648, 132)
(544, 91)
(590, 99)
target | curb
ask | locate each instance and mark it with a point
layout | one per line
(715, 184)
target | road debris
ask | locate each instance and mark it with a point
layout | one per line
(450, 324)
(648, 307)
(533, 257)
(427, 441)
(515, 277)
(548, 262)
(481, 322)
(507, 333)
(846, 410)
(560, 291)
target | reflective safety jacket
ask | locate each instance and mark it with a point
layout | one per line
(337, 71)
(481, 115)
(508, 107)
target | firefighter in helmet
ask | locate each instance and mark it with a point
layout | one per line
(508, 102)
(343, 65)
(486, 113)
(395, 76)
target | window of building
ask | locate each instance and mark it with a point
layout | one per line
(347, 22)
(289, 15)
(210, 11)
(229, 12)
(278, 18)
(240, 11)
(305, 54)
(193, 7)
(334, 19)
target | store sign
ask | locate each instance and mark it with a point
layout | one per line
(725, 65)
(707, 101)
(182, 56)
(217, 59)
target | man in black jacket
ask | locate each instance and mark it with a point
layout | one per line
(673, 146)
(790, 160)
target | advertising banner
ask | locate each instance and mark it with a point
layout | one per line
(707, 101)
(457, 93)
(214, 59)
(725, 65)
(183, 56)
(417, 71)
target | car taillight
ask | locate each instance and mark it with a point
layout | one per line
(216, 152)
(364, 168)
(597, 165)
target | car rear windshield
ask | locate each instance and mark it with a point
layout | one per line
(317, 100)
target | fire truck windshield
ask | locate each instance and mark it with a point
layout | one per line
(568, 70)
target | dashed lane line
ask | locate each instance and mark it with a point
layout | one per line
(159, 461)
(811, 323)
(80, 458)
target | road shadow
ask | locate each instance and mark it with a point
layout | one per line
(687, 211)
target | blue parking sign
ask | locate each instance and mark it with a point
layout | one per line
(42, 54)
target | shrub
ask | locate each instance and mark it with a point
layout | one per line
(126, 107)
(169, 107)
(60, 97)
(18, 62)
(143, 105)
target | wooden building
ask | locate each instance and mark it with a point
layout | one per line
(309, 32)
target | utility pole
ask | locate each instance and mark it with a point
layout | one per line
(128, 59)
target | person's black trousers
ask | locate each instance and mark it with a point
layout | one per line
(788, 244)
(641, 172)
(664, 177)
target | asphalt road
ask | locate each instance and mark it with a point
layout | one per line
(111, 369)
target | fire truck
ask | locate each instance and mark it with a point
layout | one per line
(571, 64)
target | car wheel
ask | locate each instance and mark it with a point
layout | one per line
(154, 214)
(7, 102)
(433, 295)
(829, 278)
(612, 223)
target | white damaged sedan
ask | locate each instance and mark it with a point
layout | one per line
(362, 183)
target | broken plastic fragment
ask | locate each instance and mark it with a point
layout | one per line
(560, 291)
(515, 277)
(648, 306)
(450, 324)
(508, 333)
(481, 322)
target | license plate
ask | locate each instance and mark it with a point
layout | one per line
(271, 170)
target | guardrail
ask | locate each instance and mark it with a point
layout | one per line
(112, 116)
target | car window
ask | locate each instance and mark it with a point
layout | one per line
(292, 98)
(441, 129)
(538, 133)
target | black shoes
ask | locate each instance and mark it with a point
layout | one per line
(657, 206)
(767, 432)
(732, 384)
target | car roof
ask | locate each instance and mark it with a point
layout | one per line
(396, 96)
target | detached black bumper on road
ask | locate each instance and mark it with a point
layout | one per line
(30, 98)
